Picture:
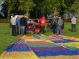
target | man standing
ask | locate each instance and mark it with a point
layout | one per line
(59, 24)
(22, 25)
(55, 20)
(13, 24)
(73, 21)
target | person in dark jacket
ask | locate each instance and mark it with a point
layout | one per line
(22, 25)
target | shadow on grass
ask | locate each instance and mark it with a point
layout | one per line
(70, 30)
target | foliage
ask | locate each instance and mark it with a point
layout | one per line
(26, 5)
(17, 5)
(55, 7)
(1, 1)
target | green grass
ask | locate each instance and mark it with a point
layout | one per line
(5, 36)
(6, 39)
(67, 31)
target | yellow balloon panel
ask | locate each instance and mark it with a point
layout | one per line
(18, 55)
(60, 57)
(73, 44)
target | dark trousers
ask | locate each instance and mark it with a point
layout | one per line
(18, 30)
(14, 30)
(73, 28)
(42, 29)
(54, 28)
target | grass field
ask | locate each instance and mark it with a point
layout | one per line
(68, 32)
(6, 38)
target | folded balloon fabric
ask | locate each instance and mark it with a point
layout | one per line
(39, 47)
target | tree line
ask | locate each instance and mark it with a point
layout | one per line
(46, 7)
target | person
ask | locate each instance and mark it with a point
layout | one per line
(30, 26)
(42, 22)
(54, 22)
(18, 25)
(22, 25)
(73, 24)
(13, 24)
(37, 27)
(26, 24)
(59, 25)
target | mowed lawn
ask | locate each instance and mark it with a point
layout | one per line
(6, 39)
(67, 30)
(5, 36)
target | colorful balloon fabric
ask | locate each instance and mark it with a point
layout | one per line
(43, 47)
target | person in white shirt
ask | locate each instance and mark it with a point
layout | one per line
(73, 24)
(13, 24)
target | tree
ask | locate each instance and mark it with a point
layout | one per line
(26, 5)
(75, 7)
(53, 6)
(16, 6)
(1, 1)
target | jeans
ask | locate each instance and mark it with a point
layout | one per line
(58, 30)
(22, 30)
(73, 28)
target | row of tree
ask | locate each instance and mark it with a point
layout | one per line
(46, 7)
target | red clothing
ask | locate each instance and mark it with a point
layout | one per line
(37, 30)
(42, 21)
